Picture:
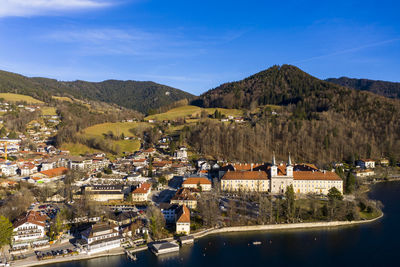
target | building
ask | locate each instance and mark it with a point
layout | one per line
(102, 193)
(183, 220)
(185, 196)
(29, 231)
(169, 211)
(101, 237)
(13, 145)
(305, 178)
(384, 162)
(141, 193)
(27, 169)
(254, 181)
(196, 182)
(49, 175)
(366, 163)
(364, 173)
(181, 153)
(9, 169)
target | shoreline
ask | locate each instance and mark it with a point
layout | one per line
(234, 229)
(291, 226)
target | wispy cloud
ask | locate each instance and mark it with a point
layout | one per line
(26, 8)
(348, 51)
(137, 42)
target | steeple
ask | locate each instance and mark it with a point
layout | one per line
(290, 160)
(273, 159)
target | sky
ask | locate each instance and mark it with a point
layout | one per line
(197, 45)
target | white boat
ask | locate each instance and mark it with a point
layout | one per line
(257, 243)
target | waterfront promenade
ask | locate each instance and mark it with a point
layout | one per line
(32, 261)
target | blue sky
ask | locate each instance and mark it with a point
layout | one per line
(197, 45)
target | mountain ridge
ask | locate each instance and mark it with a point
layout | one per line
(137, 95)
(384, 88)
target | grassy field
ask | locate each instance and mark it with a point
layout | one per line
(63, 98)
(191, 111)
(97, 131)
(17, 97)
(117, 128)
(78, 149)
(49, 111)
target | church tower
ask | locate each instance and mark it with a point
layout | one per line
(274, 168)
(289, 167)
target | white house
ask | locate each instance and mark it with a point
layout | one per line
(183, 220)
(101, 237)
(194, 182)
(29, 231)
(366, 163)
(181, 153)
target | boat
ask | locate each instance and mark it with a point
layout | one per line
(257, 243)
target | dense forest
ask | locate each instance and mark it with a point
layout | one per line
(140, 96)
(317, 121)
(388, 89)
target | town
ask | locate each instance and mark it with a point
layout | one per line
(62, 205)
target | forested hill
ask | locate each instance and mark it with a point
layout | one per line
(137, 95)
(315, 120)
(388, 89)
(278, 85)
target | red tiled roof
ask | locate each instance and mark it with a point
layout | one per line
(31, 217)
(142, 189)
(183, 214)
(316, 175)
(196, 180)
(55, 172)
(245, 175)
(183, 194)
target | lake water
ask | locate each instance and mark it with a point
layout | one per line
(375, 244)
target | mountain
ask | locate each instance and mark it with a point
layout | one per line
(278, 85)
(137, 95)
(315, 120)
(387, 89)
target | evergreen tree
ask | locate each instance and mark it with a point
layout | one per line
(6, 231)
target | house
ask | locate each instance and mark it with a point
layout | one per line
(27, 169)
(364, 173)
(181, 153)
(366, 163)
(185, 196)
(101, 237)
(196, 182)
(123, 218)
(79, 163)
(9, 169)
(29, 231)
(141, 193)
(183, 220)
(169, 211)
(149, 152)
(384, 162)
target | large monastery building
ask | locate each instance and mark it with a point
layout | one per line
(274, 178)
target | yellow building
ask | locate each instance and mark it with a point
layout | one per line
(305, 178)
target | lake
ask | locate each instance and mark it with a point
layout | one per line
(375, 244)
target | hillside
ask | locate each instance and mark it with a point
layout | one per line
(387, 89)
(140, 96)
(190, 111)
(319, 121)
